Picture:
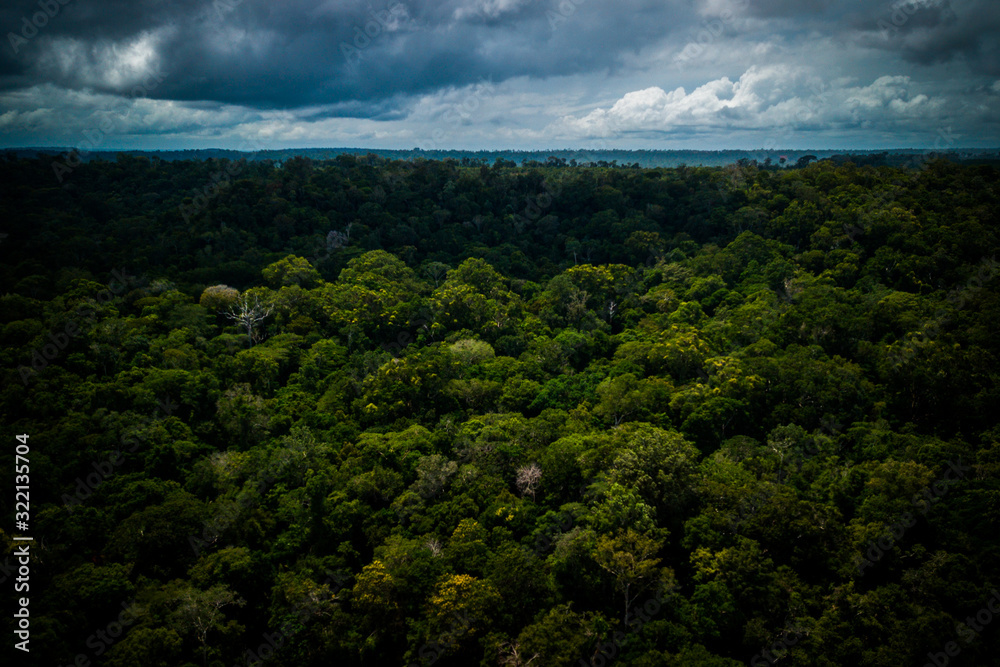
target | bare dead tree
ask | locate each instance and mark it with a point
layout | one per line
(434, 545)
(612, 309)
(528, 479)
(249, 313)
(511, 655)
(335, 239)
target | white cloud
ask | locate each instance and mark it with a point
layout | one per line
(489, 8)
(109, 65)
(770, 105)
(775, 97)
(720, 8)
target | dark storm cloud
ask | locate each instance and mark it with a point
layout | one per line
(391, 109)
(35, 23)
(787, 8)
(921, 31)
(930, 32)
(469, 73)
(970, 32)
(291, 54)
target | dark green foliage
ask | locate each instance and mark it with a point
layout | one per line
(372, 412)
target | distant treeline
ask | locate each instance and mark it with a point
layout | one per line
(772, 158)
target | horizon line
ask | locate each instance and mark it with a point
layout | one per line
(416, 149)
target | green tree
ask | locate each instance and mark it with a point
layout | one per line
(629, 558)
(200, 612)
(291, 270)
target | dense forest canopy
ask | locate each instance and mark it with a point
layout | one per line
(373, 412)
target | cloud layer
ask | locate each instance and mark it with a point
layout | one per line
(491, 73)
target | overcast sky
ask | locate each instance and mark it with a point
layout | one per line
(482, 74)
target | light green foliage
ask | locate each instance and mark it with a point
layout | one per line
(291, 270)
(218, 298)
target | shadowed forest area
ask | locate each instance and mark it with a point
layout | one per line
(364, 411)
